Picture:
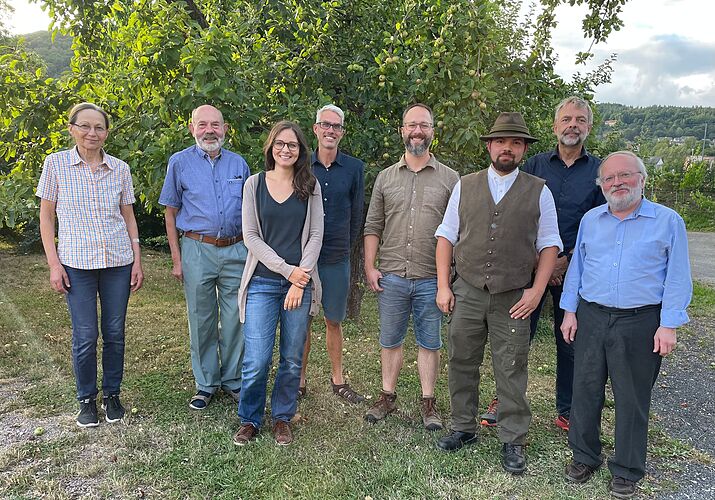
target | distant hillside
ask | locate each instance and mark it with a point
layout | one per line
(57, 55)
(657, 121)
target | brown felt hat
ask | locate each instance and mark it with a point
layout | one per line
(509, 125)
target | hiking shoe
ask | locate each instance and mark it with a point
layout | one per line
(489, 418)
(562, 422)
(514, 458)
(620, 487)
(87, 413)
(282, 433)
(246, 433)
(579, 473)
(384, 405)
(430, 418)
(113, 409)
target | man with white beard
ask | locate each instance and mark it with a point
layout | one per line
(570, 173)
(202, 193)
(626, 291)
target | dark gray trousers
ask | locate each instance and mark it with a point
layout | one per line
(615, 343)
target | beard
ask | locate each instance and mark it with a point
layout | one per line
(505, 163)
(567, 140)
(421, 147)
(209, 147)
(624, 201)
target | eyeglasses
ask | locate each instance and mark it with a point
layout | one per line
(411, 126)
(84, 128)
(624, 176)
(327, 125)
(279, 145)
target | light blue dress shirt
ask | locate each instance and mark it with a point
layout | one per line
(634, 262)
(207, 193)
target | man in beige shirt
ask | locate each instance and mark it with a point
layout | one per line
(407, 204)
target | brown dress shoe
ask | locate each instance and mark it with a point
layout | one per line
(384, 405)
(430, 418)
(282, 433)
(246, 433)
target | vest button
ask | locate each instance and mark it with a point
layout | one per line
(487, 276)
(489, 264)
(493, 226)
(492, 238)
(496, 213)
(489, 252)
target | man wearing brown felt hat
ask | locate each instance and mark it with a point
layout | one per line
(497, 221)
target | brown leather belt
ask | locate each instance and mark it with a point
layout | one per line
(219, 242)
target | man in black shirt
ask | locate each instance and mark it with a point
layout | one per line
(570, 173)
(341, 179)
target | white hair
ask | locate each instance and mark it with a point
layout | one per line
(334, 109)
(630, 154)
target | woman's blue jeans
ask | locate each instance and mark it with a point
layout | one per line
(112, 284)
(264, 309)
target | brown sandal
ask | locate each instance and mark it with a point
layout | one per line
(346, 392)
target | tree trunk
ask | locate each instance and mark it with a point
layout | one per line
(357, 283)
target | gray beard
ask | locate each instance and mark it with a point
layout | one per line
(210, 148)
(622, 203)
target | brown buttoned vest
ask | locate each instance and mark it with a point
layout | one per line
(497, 243)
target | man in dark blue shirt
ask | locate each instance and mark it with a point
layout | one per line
(341, 179)
(570, 173)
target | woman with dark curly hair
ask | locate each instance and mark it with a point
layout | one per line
(283, 231)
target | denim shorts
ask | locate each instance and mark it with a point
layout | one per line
(335, 279)
(400, 298)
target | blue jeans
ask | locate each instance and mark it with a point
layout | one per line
(264, 309)
(112, 284)
(400, 298)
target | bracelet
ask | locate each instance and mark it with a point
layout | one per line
(135, 240)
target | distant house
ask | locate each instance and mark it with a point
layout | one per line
(655, 161)
(610, 123)
(709, 160)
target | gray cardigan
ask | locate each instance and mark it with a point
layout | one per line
(311, 243)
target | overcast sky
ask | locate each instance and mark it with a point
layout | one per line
(666, 50)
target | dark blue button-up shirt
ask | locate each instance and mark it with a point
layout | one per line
(208, 194)
(574, 188)
(343, 186)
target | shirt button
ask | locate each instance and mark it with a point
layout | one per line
(615, 264)
(326, 183)
(618, 243)
(325, 199)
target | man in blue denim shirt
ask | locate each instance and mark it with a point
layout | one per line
(341, 179)
(570, 173)
(625, 293)
(202, 193)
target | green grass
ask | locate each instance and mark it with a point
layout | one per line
(164, 450)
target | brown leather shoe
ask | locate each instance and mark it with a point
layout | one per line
(282, 433)
(384, 405)
(430, 418)
(246, 433)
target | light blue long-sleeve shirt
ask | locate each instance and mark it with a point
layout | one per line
(634, 262)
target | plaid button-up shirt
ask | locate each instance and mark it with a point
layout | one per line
(92, 231)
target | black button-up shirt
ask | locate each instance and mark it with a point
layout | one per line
(343, 187)
(574, 188)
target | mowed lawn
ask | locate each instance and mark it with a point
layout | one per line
(165, 450)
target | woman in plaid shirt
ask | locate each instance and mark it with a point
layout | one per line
(91, 194)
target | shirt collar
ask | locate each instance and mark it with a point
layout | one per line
(432, 162)
(203, 154)
(555, 153)
(493, 175)
(645, 209)
(338, 159)
(76, 159)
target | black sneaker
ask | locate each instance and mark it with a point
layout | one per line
(513, 458)
(113, 409)
(87, 413)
